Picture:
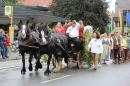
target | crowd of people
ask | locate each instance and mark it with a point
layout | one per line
(102, 46)
(4, 44)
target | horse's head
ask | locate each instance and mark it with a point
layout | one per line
(24, 30)
(45, 33)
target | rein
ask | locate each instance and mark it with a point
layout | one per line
(58, 44)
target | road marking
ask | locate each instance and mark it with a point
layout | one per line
(56, 79)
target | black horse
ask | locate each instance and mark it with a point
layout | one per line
(24, 46)
(52, 44)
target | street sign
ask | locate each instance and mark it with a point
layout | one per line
(8, 10)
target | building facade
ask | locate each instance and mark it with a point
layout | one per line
(122, 6)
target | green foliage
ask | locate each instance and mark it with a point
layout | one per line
(52, 30)
(128, 31)
(11, 1)
(86, 54)
(44, 58)
(86, 10)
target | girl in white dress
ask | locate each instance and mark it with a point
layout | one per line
(96, 48)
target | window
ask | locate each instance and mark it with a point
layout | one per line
(116, 23)
(124, 12)
(128, 11)
(116, 5)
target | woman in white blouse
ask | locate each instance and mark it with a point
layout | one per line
(96, 48)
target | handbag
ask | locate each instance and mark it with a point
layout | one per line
(116, 47)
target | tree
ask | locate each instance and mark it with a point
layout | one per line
(11, 1)
(86, 10)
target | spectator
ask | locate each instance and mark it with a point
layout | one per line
(96, 48)
(7, 44)
(88, 27)
(2, 44)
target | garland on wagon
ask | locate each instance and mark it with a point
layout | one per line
(86, 54)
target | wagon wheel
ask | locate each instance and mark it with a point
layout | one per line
(54, 61)
(79, 59)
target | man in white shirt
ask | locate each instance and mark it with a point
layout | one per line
(73, 33)
(88, 27)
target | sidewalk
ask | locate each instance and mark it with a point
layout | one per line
(13, 56)
(14, 61)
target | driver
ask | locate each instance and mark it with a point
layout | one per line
(73, 33)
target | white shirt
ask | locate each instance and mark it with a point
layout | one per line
(73, 31)
(111, 39)
(89, 28)
(96, 46)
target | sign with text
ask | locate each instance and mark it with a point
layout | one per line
(8, 10)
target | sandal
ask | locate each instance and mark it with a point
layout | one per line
(115, 62)
(95, 69)
(104, 63)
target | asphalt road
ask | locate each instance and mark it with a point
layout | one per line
(106, 75)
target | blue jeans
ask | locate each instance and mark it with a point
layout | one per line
(7, 52)
(3, 49)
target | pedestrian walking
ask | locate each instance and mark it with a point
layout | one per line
(124, 48)
(116, 44)
(110, 47)
(128, 42)
(111, 50)
(96, 48)
(106, 45)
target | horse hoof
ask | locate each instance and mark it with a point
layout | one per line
(40, 66)
(30, 68)
(36, 69)
(47, 72)
(22, 72)
(56, 70)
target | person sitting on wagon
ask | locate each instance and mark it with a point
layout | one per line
(73, 33)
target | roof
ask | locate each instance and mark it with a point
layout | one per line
(35, 14)
(36, 2)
